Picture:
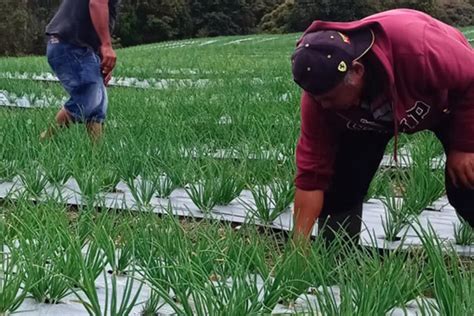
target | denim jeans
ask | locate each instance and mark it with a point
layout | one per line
(78, 70)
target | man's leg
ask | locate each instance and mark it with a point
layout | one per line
(95, 126)
(62, 64)
(357, 160)
(63, 119)
(462, 199)
(96, 99)
(78, 69)
(95, 131)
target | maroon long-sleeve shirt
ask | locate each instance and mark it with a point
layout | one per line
(428, 70)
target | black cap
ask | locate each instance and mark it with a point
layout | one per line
(322, 58)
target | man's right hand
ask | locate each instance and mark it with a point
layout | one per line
(108, 60)
(308, 207)
(99, 11)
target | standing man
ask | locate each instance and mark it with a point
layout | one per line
(364, 82)
(81, 55)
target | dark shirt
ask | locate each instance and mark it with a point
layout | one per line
(375, 112)
(72, 23)
(375, 95)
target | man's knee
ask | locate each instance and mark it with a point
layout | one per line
(463, 202)
(467, 215)
(342, 223)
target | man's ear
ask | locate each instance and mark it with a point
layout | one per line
(358, 69)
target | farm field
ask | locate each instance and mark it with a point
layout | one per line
(185, 206)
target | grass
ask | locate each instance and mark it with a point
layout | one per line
(11, 290)
(209, 267)
(463, 233)
(13, 284)
(240, 102)
(47, 255)
(271, 200)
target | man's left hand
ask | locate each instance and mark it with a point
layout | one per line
(107, 78)
(108, 60)
(460, 167)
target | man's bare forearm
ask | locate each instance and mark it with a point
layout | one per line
(99, 11)
(308, 207)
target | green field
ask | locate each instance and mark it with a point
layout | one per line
(226, 94)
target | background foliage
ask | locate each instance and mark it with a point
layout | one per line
(22, 22)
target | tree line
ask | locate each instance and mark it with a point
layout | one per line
(22, 22)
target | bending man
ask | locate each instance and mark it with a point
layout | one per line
(363, 83)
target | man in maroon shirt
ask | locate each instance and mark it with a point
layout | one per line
(363, 83)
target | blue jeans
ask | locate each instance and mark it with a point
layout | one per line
(78, 70)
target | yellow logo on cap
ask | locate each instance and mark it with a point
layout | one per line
(342, 66)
